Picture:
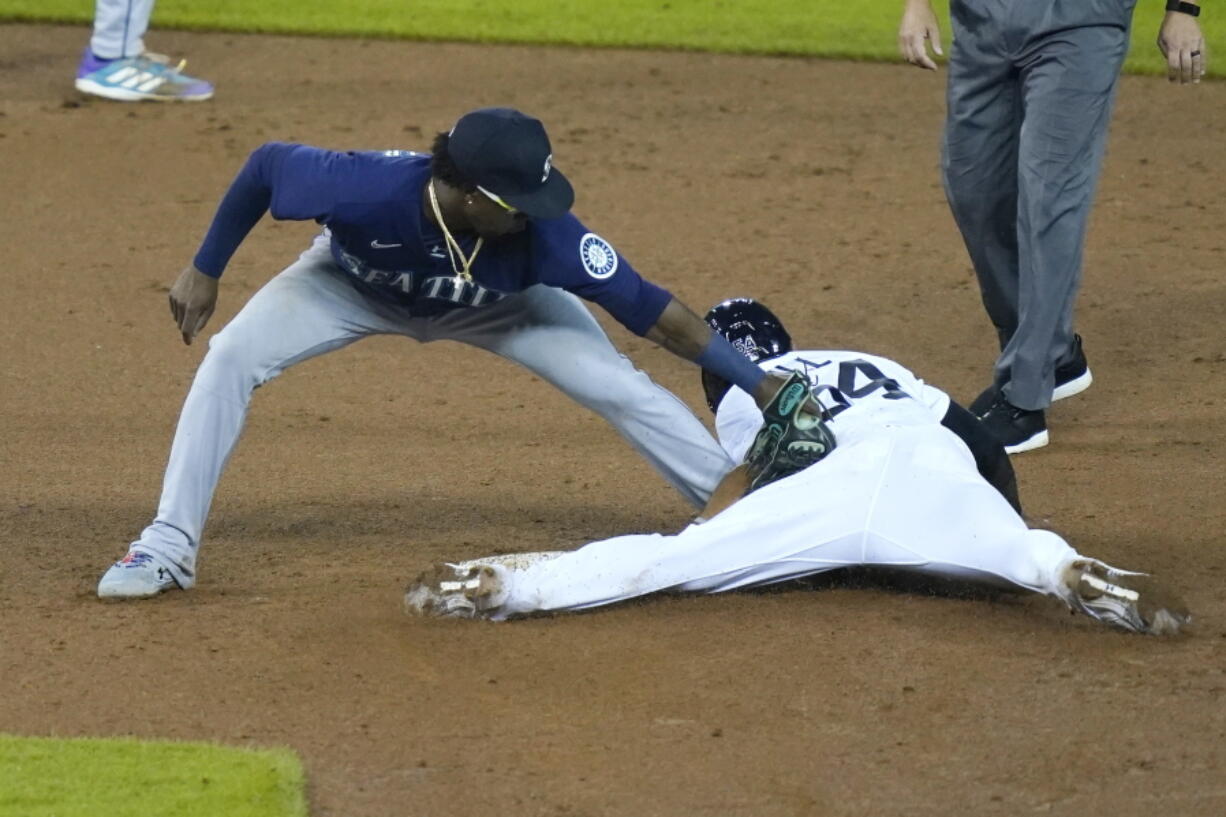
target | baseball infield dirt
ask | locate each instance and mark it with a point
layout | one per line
(812, 185)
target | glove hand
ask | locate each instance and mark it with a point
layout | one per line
(794, 435)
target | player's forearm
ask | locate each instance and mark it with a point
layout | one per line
(686, 335)
(731, 488)
(244, 204)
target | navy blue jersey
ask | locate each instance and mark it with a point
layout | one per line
(371, 204)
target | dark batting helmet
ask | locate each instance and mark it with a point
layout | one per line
(752, 329)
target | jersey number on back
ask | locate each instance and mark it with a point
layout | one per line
(842, 394)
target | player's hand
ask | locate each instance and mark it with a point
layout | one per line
(193, 296)
(918, 27)
(1180, 41)
(770, 386)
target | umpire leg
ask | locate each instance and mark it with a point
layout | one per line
(1069, 78)
(979, 156)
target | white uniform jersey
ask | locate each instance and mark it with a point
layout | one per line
(864, 393)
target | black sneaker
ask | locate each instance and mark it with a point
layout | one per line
(1018, 429)
(1072, 377)
(980, 405)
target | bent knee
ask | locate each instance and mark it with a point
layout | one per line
(231, 356)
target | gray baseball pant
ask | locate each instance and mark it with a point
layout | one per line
(310, 309)
(1031, 86)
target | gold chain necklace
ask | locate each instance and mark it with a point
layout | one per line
(461, 264)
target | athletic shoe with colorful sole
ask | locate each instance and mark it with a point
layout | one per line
(147, 78)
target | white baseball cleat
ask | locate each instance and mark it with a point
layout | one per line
(1124, 599)
(135, 576)
(467, 590)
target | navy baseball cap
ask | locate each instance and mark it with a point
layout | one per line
(508, 154)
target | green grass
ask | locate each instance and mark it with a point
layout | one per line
(857, 29)
(88, 777)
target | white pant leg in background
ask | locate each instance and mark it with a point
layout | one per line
(119, 28)
(305, 311)
(551, 333)
(907, 497)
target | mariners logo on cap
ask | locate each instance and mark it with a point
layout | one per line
(548, 167)
(598, 256)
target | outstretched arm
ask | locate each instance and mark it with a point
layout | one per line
(193, 296)
(731, 488)
(686, 335)
(295, 181)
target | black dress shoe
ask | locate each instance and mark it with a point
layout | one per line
(1018, 429)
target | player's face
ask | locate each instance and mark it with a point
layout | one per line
(490, 218)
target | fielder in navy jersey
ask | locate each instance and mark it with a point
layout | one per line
(473, 243)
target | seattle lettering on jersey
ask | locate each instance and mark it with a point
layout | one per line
(448, 288)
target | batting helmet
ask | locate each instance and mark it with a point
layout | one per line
(752, 329)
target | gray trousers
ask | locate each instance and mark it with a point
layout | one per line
(311, 309)
(1031, 86)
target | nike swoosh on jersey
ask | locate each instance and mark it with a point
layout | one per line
(375, 245)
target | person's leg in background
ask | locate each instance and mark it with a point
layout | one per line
(1068, 91)
(1069, 67)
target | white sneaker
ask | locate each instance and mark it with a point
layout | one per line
(135, 576)
(1122, 598)
(469, 590)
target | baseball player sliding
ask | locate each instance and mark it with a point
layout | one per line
(473, 243)
(909, 483)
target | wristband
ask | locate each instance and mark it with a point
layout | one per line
(1183, 8)
(720, 359)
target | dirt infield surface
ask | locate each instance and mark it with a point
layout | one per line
(812, 185)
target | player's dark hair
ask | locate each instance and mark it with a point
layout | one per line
(443, 169)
